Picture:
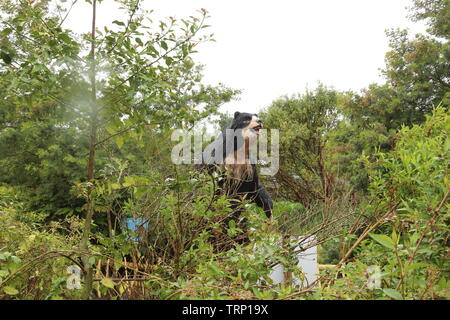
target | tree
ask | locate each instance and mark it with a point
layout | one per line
(304, 122)
(417, 74)
(418, 68)
(406, 234)
(436, 12)
(109, 85)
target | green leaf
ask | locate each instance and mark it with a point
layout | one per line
(5, 255)
(3, 273)
(119, 141)
(129, 181)
(107, 282)
(10, 290)
(6, 57)
(111, 129)
(383, 239)
(139, 41)
(65, 37)
(394, 294)
(215, 268)
(6, 31)
(415, 266)
(115, 186)
(120, 23)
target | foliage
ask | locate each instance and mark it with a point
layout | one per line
(436, 14)
(33, 256)
(148, 81)
(304, 123)
(85, 125)
(411, 245)
(416, 73)
(417, 70)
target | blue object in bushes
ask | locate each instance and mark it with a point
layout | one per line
(135, 227)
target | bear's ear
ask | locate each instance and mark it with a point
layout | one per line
(236, 114)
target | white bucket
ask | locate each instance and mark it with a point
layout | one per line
(307, 261)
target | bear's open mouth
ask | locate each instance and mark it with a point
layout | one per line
(257, 128)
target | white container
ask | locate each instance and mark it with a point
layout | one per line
(307, 261)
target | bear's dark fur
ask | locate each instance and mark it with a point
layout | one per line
(241, 180)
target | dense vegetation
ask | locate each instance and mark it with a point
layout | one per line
(85, 139)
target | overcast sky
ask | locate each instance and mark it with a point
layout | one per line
(272, 48)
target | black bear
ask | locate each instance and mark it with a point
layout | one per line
(230, 154)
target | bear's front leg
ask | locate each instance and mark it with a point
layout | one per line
(264, 200)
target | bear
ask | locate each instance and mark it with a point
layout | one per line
(230, 155)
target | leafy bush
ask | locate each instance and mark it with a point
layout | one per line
(33, 257)
(409, 193)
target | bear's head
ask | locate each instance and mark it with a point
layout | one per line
(235, 141)
(249, 123)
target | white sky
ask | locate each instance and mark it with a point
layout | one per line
(272, 48)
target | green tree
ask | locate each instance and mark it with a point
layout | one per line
(407, 233)
(105, 86)
(417, 74)
(305, 122)
(417, 71)
(436, 13)
(418, 67)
